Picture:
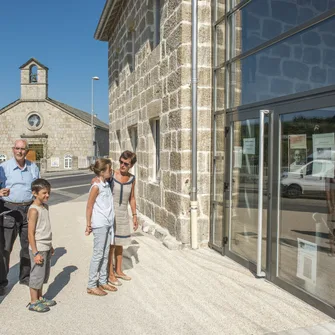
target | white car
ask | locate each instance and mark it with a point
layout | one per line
(311, 178)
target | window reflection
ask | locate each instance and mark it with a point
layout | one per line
(299, 63)
(307, 205)
(262, 20)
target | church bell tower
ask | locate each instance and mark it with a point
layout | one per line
(34, 80)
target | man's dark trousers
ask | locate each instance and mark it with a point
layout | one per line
(12, 224)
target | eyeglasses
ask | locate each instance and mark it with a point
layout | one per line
(22, 149)
(124, 163)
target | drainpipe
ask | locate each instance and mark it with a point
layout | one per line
(194, 202)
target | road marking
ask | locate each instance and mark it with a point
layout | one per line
(67, 176)
(67, 194)
(66, 187)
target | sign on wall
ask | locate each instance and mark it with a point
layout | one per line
(54, 161)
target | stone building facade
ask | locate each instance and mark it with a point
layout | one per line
(59, 136)
(266, 94)
(149, 66)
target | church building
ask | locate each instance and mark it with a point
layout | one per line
(60, 137)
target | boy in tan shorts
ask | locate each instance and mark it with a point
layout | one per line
(40, 245)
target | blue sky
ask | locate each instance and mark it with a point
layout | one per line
(60, 35)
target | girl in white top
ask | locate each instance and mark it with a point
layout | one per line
(100, 221)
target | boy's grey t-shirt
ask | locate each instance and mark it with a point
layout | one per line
(43, 234)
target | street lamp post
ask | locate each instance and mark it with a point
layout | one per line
(92, 118)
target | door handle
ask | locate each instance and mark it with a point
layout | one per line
(262, 114)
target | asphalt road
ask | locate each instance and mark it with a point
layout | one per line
(302, 204)
(66, 188)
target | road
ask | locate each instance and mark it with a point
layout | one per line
(249, 199)
(65, 188)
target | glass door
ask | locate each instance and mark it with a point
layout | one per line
(279, 198)
(306, 204)
(248, 190)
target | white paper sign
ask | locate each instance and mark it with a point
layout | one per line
(297, 141)
(323, 146)
(307, 261)
(54, 161)
(237, 157)
(249, 146)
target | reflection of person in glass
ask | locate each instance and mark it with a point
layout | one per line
(298, 161)
(330, 198)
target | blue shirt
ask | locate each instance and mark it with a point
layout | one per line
(17, 180)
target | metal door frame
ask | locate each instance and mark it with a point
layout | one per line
(318, 99)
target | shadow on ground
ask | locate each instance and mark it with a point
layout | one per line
(130, 253)
(13, 274)
(60, 281)
(13, 278)
(59, 252)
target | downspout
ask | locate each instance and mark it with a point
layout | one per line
(194, 201)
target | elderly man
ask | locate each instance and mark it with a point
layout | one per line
(16, 176)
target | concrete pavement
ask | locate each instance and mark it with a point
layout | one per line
(172, 292)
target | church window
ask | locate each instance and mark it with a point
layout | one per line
(34, 120)
(3, 158)
(68, 162)
(33, 74)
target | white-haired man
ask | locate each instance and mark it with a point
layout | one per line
(16, 176)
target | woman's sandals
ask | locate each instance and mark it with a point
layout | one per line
(107, 287)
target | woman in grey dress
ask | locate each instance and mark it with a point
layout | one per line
(123, 188)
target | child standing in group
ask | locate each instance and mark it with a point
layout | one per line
(40, 245)
(100, 221)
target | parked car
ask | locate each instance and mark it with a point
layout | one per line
(311, 178)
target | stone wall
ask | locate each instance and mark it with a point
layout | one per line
(158, 86)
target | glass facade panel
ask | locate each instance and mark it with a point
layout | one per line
(307, 206)
(220, 43)
(218, 179)
(220, 89)
(217, 219)
(244, 188)
(219, 134)
(300, 63)
(220, 9)
(261, 20)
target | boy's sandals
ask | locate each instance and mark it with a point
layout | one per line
(96, 291)
(38, 307)
(47, 302)
(124, 277)
(107, 287)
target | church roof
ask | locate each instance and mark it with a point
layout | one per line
(84, 116)
(35, 61)
(80, 114)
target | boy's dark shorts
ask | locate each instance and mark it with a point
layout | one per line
(39, 273)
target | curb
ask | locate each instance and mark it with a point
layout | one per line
(64, 173)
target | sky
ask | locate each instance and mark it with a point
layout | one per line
(59, 34)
